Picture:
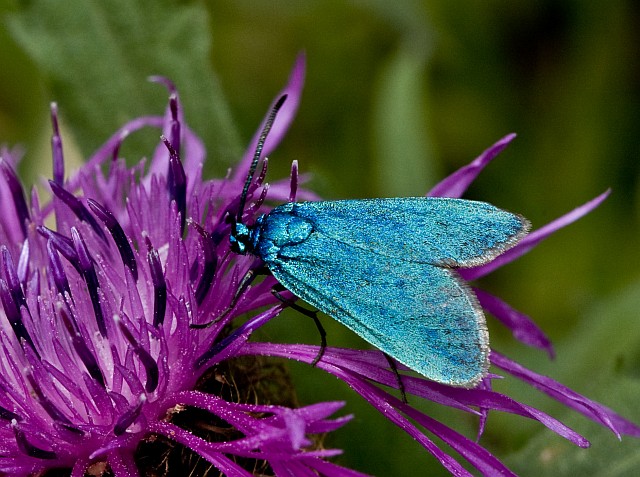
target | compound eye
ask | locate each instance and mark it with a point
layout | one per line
(239, 239)
(238, 247)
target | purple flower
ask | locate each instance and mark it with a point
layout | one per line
(100, 285)
(119, 337)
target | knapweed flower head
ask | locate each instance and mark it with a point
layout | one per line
(121, 297)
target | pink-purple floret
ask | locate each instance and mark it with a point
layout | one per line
(101, 283)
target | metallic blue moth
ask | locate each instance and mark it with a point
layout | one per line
(385, 268)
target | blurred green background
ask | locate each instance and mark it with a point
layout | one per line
(398, 94)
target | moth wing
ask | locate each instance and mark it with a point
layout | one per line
(439, 231)
(421, 315)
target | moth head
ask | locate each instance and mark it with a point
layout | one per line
(240, 236)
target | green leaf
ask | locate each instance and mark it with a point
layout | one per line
(603, 348)
(604, 344)
(404, 163)
(402, 150)
(549, 455)
(98, 54)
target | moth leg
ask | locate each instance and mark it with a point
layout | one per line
(394, 368)
(306, 312)
(248, 278)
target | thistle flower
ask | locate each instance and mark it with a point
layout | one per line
(100, 286)
(120, 306)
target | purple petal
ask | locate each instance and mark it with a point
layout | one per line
(367, 364)
(159, 284)
(171, 127)
(79, 467)
(63, 244)
(122, 464)
(533, 239)
(181, 137)
(591, 409)
(477, 455)
(81, 348)
(230, 345)
(163, 80)
(15, 190)
(30, 449)
(119, 237)
(209, 266)
(149, 364)
(200, 446)
(77, 207)
(296, 427)
(11, 275)
(242, 421)
(8, 415)
(174, 123)
(457, 183)
(382, 402)
(524, 329)
(23, 262)
(487, 399)
(110, 148)
(56, 147)
(177, 181)
(13, 300)
(193, 158)
(332, 470)
(128, 417)
(337, 361)
(90, 278)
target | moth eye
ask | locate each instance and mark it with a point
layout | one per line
(239, 239)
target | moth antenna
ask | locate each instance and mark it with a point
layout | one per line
(258, 152)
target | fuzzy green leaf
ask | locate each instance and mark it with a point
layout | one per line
(549, 455)
(97, 56)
